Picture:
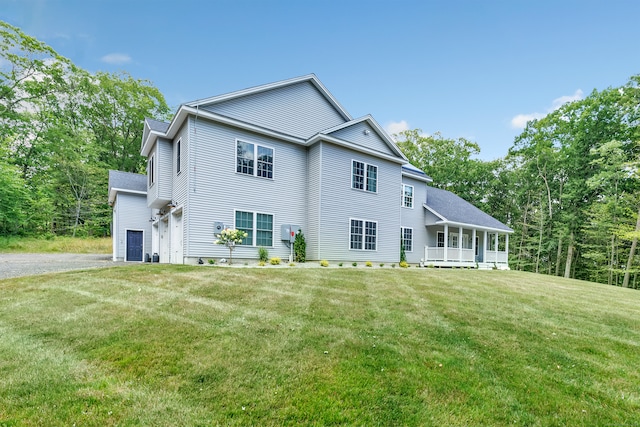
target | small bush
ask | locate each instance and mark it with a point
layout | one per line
(404, 264)
(263, 254)
(381, 264)
(324, 263)
(339, 264)
(393, 266)
(291, 264)
(275, 260)
(262, 263)
(355, 264)
(212, 261)
(369, 264)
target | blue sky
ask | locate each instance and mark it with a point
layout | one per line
(473, 69)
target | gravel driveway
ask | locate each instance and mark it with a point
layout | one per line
(15, 265)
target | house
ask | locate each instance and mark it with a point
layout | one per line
(130, 226)
(285, 156)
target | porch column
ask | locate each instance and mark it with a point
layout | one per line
(484, 247)
(496, 246)
(446, 241)
(459, 244)
(473, 243)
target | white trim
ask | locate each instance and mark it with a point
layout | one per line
(412, 196)
(255, 159)
(254, 227)
(364, 235)
(113, 192)
(412, 237)
(151, 170)
(366, 176)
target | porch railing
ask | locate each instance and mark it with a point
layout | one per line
(433, 254)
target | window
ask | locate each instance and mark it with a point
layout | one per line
(440, 239)
(407, 196)
(363, 235)
(255, 224)
(453, 240)
(406, 236)
(254, 159)
(364, 176)
(151, 170)
(178, 149)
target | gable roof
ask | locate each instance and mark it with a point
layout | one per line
(126, 182)
(453, 209)
(413, 172)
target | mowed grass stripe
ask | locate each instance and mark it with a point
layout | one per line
(236, 346)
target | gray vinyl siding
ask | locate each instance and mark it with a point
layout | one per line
(340, 203)
(356, 134)
(314, 186)
(430, 218)
(130, 212)
(180, 187)
(160, 192)
(216, 190)
(299, 110)
(415, 218)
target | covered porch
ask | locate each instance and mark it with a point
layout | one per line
(466, 246)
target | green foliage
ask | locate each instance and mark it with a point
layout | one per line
(403, 256)
(404, 264)
(263, 254)
(300, 247)
(355, 264)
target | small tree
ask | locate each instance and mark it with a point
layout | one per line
(300, 247)
(230, 238)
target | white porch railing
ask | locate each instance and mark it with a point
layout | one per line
(435, 254)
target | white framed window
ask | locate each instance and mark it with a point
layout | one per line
(363, 234)
(364, 176)
(407, 196)
(440, 241)
(254, 159)
(258, 226)
(178, 156)
(151, 170)
(453, 240)
(406, 236)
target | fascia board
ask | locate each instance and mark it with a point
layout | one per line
(113, 192)
(477, 227)
(322, 137)
(443, 219)
(417, 177)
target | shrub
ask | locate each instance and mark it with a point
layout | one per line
(262, 263)
(299, 248)
(275, 260)
(369, 264)
(212, 261)
(324, 263)
(263, 254)
(393, 266)
(404, 264)
(381, 264)
(291, 264)
(339, 264)
(355, 264)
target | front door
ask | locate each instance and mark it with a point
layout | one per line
(134, 245)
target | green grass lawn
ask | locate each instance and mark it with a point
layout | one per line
(56, 244)
(178, 345)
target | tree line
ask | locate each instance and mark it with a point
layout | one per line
(569, 186)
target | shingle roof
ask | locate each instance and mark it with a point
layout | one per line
(127, 181)
(413, 170)
(453, 208)
(157, 126)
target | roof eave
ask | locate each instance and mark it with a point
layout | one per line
(342, 143)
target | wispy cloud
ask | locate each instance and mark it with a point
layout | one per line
(394, 128)
(520, 121)
(116, 58)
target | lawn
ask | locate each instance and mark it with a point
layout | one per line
(56, 244)
(177, 345)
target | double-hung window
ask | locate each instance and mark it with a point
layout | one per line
(258, 226)
(363, 234)
(406, 236)
(253, 159)
(364, 176)
(178, 155)
(151, 170)
(407, 196)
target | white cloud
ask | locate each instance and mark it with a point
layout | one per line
(393, 128)
(116, 58)
(520, 121)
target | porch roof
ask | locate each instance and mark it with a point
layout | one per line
(451, 208)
